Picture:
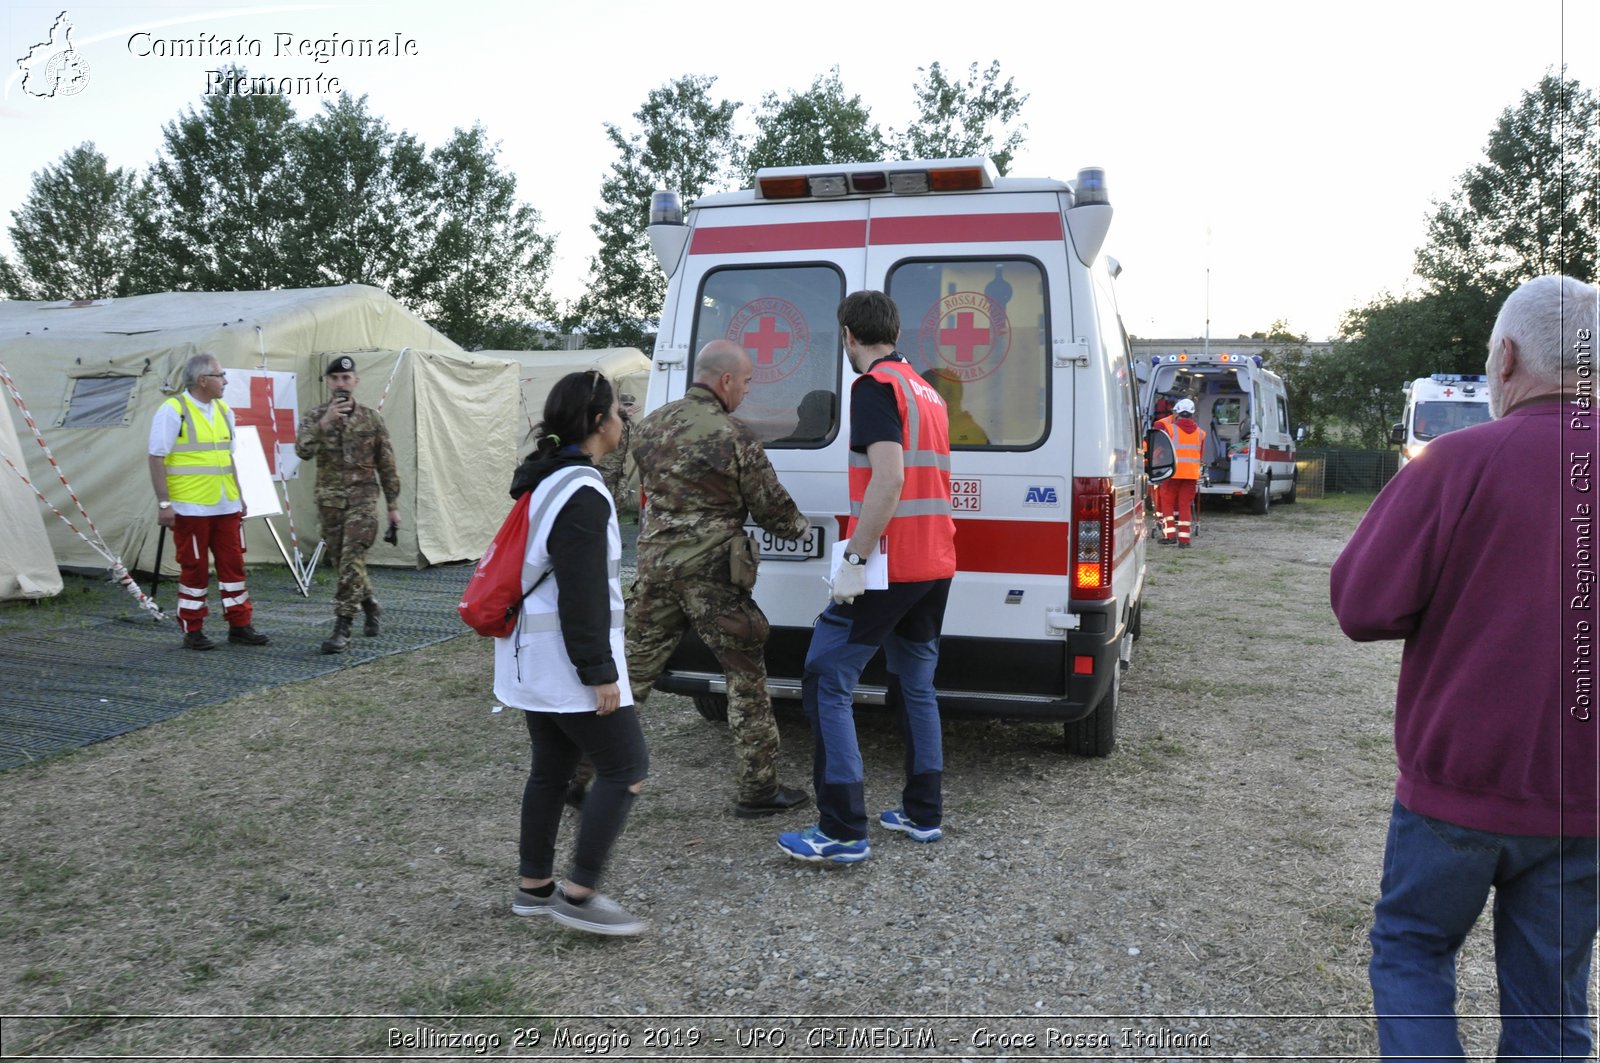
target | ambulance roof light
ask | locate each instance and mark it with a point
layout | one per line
(913, 177)
(666, 208)
(1459, 378)
(1091, 187)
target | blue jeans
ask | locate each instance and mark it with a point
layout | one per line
(1436, 879)
(905, 619)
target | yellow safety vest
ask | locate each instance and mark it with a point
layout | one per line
(200, 467)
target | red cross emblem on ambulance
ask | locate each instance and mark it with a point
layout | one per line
(775, 334)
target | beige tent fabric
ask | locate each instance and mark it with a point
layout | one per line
(50, 347)
(628, 368)
(27, 565)
(466, 458)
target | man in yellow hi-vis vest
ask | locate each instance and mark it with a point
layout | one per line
(198, 497)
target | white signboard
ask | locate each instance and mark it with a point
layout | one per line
(250, 466)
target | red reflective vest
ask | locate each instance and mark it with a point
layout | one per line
(1187, 440)
(921, 535)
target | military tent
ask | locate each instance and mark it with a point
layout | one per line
(93, 372)
(27, 565)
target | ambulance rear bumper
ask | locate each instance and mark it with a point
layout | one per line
(1020, 679)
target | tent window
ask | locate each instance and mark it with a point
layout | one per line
(99, 402)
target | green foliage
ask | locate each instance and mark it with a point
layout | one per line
(1532, 207)
(684, 141)
(481, 276)
(366, 200)
(74, 233)
(820, 125)
(962, 118)
(225, 198)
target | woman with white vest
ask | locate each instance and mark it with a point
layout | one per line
(564, 664)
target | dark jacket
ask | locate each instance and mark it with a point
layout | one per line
(578, 565)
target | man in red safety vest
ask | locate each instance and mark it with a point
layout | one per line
(1176, 499)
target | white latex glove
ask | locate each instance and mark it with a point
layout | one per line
(849, 583)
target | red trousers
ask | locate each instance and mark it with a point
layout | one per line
(1175, 500)
(193, 538)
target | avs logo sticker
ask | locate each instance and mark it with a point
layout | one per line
(1044, 495)
(966, 335)
(775, 333)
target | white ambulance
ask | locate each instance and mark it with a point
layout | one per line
(1244, 409)
(1438, 404)
(1006, 306)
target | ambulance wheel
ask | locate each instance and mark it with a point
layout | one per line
(1260, 504)
(713, 707)
(1096, 734)
(1294, 485)
(1136, 625)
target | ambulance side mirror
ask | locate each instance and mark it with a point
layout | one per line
(1159, 459)
(1397, 434)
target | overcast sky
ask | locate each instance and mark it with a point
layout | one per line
(1289, 151)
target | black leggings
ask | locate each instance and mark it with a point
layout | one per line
(615, 744)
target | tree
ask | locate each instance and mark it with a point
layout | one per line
(820, 125)
(685, 142)
(367, 205)
(482, 278)
(226, 197)
(74, 233)
(960, 119)
(1532, 206)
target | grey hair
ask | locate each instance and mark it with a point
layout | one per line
(1552, 320)
(197, 366)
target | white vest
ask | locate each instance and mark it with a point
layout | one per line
(531, 668)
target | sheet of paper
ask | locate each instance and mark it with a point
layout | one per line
(877, 566)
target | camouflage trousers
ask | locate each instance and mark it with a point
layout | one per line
(348, 533)
(733, 627)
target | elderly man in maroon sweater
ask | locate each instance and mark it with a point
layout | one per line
(1480, 554)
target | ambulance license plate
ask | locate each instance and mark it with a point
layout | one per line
(805, 548)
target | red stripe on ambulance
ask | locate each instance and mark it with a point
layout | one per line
(799, 236)
(966, 229)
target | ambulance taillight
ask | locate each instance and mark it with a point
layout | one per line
(1092, 545)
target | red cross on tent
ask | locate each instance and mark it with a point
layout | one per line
(274, 423)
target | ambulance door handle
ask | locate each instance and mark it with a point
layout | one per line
(666, 356)
(1071, 353)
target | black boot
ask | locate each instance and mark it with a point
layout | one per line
(339, 641)
(371, 629)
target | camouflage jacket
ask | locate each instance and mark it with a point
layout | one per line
(352, 460)
(702, 471)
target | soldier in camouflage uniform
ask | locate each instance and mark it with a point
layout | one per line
(615, 466)
(354, 456)
(702, 472)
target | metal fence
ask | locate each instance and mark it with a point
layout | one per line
(1320, 472)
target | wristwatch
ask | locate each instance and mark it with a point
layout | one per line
(163, 505)
(853, 558)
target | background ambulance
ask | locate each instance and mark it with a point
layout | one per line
(1007, 308)
(1244, 409)
(1438, 404)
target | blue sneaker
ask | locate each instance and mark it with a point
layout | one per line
(895, 819)
(813, 845)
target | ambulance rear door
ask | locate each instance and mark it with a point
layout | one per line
(981, 282)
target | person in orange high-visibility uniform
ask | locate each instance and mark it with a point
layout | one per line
(1158, 493)
(1177, 492)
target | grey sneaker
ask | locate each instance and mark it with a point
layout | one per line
(598, 915)
(525, 903)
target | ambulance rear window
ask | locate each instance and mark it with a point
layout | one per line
(785, 318)
(977, 330)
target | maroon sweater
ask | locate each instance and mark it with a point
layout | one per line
(1480, 555)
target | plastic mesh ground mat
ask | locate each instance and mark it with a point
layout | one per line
(90, 665)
